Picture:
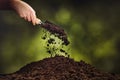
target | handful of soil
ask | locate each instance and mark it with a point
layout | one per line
(56, 30)
(59, 68)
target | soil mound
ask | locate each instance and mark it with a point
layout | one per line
(59, 68)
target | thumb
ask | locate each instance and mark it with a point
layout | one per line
(37, 21)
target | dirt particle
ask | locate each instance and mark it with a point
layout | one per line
(52, 45)
(56, 30)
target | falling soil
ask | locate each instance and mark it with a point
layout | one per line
(59, 68)
(55, 46)
(56, 30)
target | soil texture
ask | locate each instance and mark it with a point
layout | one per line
(59, 68)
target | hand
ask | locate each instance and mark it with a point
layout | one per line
(25, 11)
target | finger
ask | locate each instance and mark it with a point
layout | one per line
(38, 21)
(33, 18)
(25, 18)
(28, 17)
(22, 15)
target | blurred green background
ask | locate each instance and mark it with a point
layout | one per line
(93, 27)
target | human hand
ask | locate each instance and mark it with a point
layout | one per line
(25, 11)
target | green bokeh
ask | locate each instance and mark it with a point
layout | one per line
(92, 28)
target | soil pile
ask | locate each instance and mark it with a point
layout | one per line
(59, 68)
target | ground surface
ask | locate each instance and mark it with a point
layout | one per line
(59, 68)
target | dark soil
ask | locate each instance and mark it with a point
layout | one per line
(59, 68)
(53, 45)
(56, 30)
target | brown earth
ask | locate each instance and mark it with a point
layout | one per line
(59, 68)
